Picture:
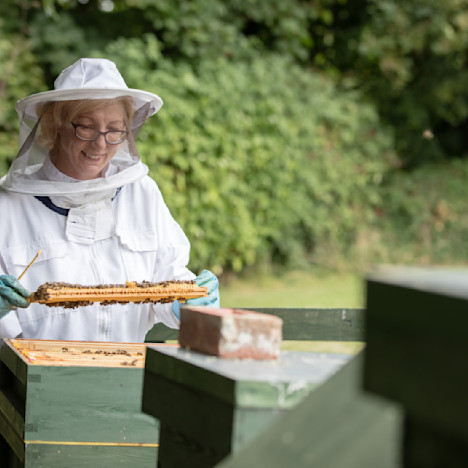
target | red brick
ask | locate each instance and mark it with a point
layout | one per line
(230, 333)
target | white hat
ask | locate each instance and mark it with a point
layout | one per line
(88, 78)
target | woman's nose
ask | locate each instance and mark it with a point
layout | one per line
(100, 142)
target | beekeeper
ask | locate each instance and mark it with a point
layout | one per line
(78, 192)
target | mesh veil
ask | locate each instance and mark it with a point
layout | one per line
(26, 173)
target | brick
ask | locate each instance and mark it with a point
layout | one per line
(230, 333)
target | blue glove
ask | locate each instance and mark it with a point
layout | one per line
(12, 294)
(206, 279)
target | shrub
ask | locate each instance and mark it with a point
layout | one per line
(19, 73)
(423, 219)
(258, 160)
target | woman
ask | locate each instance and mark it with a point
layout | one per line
(78, 192)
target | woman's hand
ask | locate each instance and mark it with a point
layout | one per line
(206, 279)
(12, 294)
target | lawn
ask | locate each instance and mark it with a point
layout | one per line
(295, 289)
(299, 289)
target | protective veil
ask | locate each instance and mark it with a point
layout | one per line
(85, 79)
(89, 201)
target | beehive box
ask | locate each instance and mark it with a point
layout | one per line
(417, 340)
(74, 404)
(338, 425)
(209, 407)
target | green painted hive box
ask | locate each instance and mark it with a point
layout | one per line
(74, 404)
(209, 407)
(417, 342)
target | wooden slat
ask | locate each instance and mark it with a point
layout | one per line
(73, 456)
(320, 324)
(18, 367)
(11, 411)
(298, 324)
(60, 456)
(48, 345)
(12, 398)
(11, 436)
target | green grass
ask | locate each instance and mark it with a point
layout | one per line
(294, 289)
(299, 289)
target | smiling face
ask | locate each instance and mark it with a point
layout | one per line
(86, 160)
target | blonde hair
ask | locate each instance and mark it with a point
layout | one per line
(55, 113)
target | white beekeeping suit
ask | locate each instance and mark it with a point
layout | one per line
(107, 230)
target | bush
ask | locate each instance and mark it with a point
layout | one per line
(19, 73)
(258, 160)
(410, 59)
(423, 220)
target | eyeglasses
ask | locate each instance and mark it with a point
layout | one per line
(112, 137)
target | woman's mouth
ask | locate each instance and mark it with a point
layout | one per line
(94, 157)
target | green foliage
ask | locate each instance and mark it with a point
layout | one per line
(19, 73)
(285, 125)
(423, 220)
(410, 59)
(187, 31)
(423, 63)
(257, 160)
(232, 28)
(58, 41)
